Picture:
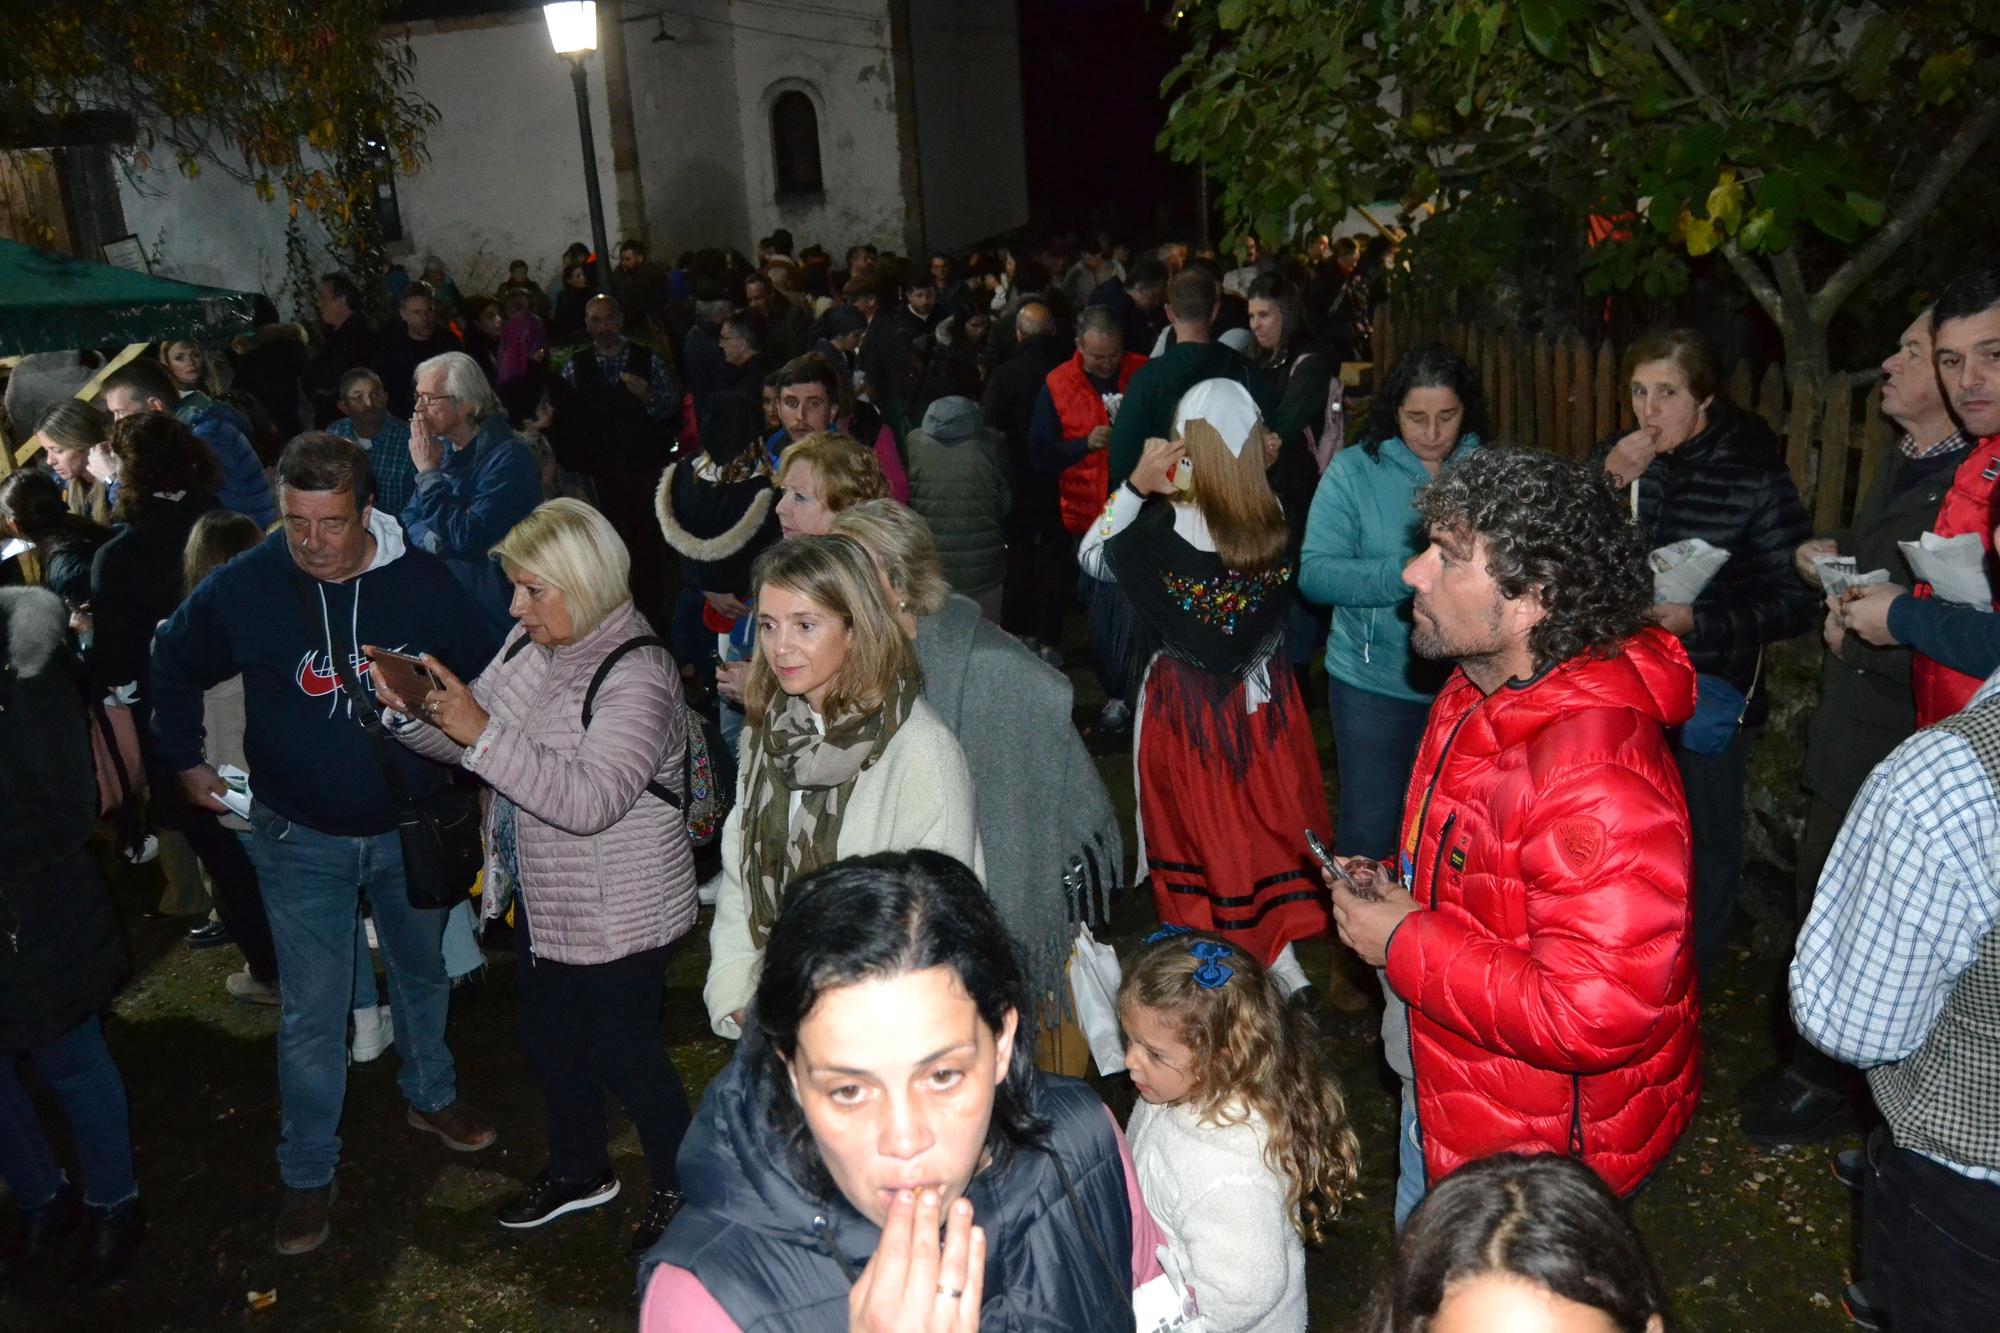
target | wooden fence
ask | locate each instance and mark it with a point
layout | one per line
(1566, 394)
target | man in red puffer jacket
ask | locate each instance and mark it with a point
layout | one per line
(1543, 943)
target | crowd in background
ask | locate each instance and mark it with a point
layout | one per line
(748, 581)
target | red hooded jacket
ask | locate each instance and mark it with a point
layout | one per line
(1967, 507)
(1551, 979)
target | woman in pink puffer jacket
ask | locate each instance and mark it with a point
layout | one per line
(583, 828)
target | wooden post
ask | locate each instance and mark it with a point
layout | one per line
(1580, 395)
(1740, 387)
(1559, 427)
(1383, 340)
(1489, 373)
(1771, 399)
(1836, 427)
(1545, 397)
(1502, 402)
(1876, 438)
(1606, 396)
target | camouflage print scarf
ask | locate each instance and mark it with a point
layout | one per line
(792, 756)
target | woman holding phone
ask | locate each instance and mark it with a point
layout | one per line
(578, 730)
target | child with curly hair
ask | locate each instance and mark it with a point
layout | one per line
(1241, 1137)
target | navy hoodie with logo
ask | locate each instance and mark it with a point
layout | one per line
(262, 617)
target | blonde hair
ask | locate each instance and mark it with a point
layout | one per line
(1249, 1049)
(576, 551)
(849, 472)
(833, 573)
(900, 543)
(217, 537)
(211, 378)
(1235, 498)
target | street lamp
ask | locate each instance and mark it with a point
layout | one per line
(573, 33)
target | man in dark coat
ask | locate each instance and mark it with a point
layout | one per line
(422, 336)
(347, 340)
(1038, 550)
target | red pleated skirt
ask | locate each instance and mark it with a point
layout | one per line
(1225, 799)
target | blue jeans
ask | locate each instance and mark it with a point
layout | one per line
(312, 885)
(1410, 1187)
(77, 1068)
(1375, 741)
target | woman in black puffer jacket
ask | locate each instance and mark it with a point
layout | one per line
(62, 958)
(1697, 466)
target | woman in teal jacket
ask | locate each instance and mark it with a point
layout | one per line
(1361, 532)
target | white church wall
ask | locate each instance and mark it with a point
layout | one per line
(685, 108)
(504, 179)
(838, 54)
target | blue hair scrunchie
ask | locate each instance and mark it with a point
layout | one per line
(1213, 975)
(1208, 950)
(1166, 933)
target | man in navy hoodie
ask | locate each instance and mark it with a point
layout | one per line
(323, 830)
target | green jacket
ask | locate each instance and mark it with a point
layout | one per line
(1155, 390)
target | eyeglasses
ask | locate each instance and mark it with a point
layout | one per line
(423, 399)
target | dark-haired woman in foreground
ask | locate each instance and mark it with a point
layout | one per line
(884, 1096)
(1521, 1244)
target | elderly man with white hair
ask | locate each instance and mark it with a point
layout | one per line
(475, 477)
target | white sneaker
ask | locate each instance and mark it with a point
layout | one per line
(374, 1033)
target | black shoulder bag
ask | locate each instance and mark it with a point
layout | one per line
(439, 833)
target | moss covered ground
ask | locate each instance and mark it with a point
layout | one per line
(1745, 1238)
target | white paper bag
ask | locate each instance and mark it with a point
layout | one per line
(1955, 567)
(1167, 1304)
(1094, 975)
(1837, 574)
(1682, 569)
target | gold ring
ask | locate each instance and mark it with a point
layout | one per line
(948, 1293)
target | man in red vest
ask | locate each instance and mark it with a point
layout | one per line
(1069, 433)
(1954, 647)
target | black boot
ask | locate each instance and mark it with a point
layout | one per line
(43, 1229)
(109, 1242)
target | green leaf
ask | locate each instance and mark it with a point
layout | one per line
(1542, 24)
(1489, 25)
(1702, 236)
(1833, 217)
(1867, 209)
(1943, 76)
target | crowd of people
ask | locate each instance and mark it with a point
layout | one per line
(553, 614)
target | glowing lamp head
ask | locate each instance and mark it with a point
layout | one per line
(572, 26)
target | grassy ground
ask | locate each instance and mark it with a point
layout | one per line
(1746, 1239)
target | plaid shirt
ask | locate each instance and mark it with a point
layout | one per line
(1958, 439)
(1912, 886)
(389, 459)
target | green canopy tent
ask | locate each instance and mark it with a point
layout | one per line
(50, 303)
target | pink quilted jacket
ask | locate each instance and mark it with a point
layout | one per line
(606, 869)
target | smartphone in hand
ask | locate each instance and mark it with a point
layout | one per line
(1336, 869)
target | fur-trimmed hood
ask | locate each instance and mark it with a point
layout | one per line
(717, 526)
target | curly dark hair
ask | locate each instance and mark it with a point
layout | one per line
(157, 453)
(1433, 366)
(1554, 528)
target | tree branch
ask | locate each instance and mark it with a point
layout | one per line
(1757, 281)
(1649, 23)
(1916, 205)
(1792, 280)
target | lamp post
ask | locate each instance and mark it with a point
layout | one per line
(573, 33)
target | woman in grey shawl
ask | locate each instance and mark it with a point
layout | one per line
(1051, 838)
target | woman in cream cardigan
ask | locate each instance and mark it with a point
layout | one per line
(840, 757)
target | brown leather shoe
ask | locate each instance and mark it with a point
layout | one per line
(305, 1219)
(462, 1128)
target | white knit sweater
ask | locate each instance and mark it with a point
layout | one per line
(1226, 1218)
